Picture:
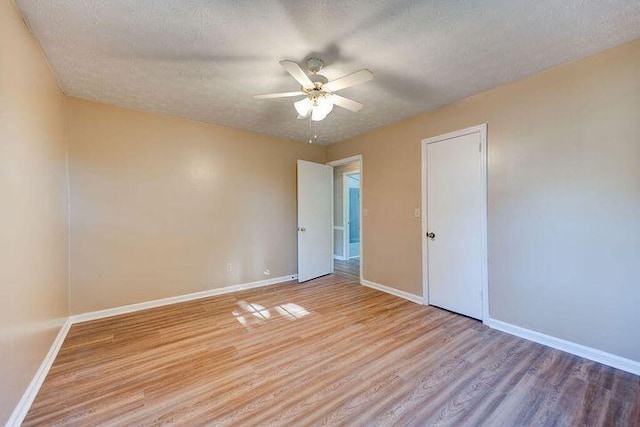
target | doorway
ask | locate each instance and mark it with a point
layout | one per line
(351, 197)
(347, 217)
(454, 224)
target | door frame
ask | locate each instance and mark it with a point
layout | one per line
(482, 130)
(344, 161)
(345, 213)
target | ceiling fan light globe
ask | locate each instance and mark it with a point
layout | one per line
(318, 115)
(324, 104)
(321, 109)
(329, 108)
(303, 107)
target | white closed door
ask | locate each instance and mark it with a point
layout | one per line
(315, 227)
(455, 228)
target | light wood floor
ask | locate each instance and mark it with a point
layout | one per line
(327, 352)
(349, 269)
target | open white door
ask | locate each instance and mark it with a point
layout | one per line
(315, 227)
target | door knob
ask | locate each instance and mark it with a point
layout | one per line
(302, 229)
(431, 235)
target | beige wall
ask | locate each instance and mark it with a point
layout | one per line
(160, 205)
(564, 199)
(33, 213)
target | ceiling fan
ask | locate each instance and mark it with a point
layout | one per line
(318, 91)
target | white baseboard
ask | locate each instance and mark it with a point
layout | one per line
(341, 258)
(30, 393)
(21, 410)
(402, 294)
(590, 353)
(100, 314)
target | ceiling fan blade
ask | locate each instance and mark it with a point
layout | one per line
(279, 95)
(297, 73)
(349, 80)
(346, 103)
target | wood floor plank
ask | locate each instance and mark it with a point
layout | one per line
(325, 352)
(348, 269)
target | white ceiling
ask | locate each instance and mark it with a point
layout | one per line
(203, 59)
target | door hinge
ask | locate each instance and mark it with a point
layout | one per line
(480, 147)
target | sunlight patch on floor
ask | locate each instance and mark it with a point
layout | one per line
(256, 313)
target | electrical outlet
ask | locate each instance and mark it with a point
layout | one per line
(416, 212)
(267, 272)
(229, 267)
(365, 212)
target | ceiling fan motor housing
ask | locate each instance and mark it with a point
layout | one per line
(315, 92)
(314, 65)
(318, 79)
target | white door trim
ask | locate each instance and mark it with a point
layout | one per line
(356, 158)
(482, 130)
(340, 162)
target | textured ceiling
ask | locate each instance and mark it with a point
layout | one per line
(203, 59)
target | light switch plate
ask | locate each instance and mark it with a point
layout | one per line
(416, 212)
(365, 212)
